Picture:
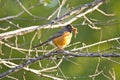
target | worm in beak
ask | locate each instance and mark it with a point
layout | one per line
(74, 31)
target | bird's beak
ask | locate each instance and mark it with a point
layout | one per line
(74, 31)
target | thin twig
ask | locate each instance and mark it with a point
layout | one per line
(21, 49)
(105, 13)
(23, 7)
(5, 29)
(98, 43)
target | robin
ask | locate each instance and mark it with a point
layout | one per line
(62, 38)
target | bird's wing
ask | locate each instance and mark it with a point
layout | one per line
(57, 34)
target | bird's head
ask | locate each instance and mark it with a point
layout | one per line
(70, 28)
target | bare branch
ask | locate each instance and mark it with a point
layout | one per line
(11, 17)
(51, 77)
(91, 7)
(38, 72)
(5, 29)
(101, 42)
(48, 55)
(26, 10)
(21, 49)
(105, 13)
(91, 24)
(17, 15)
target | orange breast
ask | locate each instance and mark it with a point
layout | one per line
(63, 40)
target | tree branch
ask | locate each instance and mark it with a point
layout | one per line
(94, 44)
(48, 55)
(57, 21)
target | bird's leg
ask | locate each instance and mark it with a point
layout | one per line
(59, 50)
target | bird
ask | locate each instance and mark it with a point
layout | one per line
(61, 38)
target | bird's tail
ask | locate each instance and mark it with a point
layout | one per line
(40, 44)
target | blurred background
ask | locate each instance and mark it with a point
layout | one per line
(82, 68)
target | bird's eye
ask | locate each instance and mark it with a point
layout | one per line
(69, 27)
